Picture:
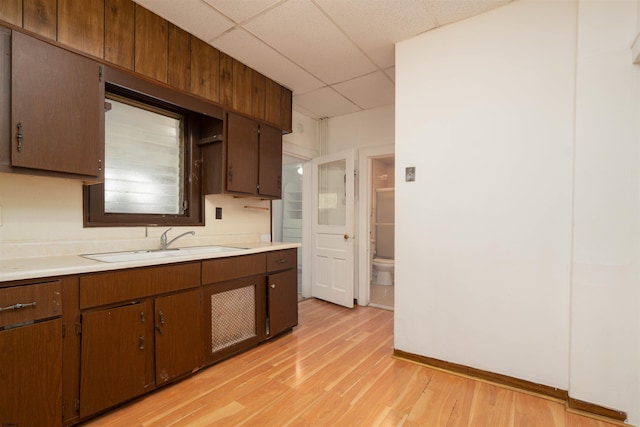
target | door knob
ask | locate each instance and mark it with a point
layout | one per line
(346, 237)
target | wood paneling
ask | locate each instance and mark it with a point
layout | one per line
(205, 60)
(258, 94)
(119, 34)
(242, 85)
(226, 80)
(81, 25)
(40, 17)
(11, 12)
(179, 67)
(337, 369)
(151, 44)
(272, 102)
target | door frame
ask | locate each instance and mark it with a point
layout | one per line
(363, 208)
(305, 155)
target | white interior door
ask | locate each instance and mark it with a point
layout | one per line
(332, 228)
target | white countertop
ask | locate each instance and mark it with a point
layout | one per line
(52, 266)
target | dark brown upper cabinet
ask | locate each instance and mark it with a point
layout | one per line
(57, 110)
(247, 161)
(242, 154)
(270, 162)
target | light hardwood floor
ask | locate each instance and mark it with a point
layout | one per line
(336, 369)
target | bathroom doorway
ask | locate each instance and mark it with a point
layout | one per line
(287, 212)
(381, 232)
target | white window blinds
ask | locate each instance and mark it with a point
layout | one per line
(143, 160)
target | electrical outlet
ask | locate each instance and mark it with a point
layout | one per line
(218, 213)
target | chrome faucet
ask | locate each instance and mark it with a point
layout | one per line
(163, 239)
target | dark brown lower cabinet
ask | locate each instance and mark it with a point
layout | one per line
(115, 346)
(234, 317)
(282, 290)
(282, 301)
(178, 335)
(31, 375)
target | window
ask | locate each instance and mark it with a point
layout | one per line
(152, 159)
(144, 166)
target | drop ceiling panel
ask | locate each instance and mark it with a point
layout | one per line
(370, 91)
(447, 11)
(241, 10)
(247, 49)
(376, 25)
(302, 33)
(325, 102)
(194, 16)
(391, 72)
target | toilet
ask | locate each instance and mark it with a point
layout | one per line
(383, 271)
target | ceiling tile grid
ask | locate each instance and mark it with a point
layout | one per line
(337, 56)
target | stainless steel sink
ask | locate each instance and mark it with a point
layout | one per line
(154, 254)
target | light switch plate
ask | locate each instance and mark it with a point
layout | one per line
(410, 174)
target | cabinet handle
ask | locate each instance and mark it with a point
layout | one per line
(18, 306)
(161, 316)
(273, 286)
(282, 261)
(141, 343)
(19, 136)
(230, 173)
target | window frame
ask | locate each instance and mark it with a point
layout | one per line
(162, 96)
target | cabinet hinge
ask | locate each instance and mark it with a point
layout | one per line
(185, 205)
(99, 73)
(78, 329)
(258, 131)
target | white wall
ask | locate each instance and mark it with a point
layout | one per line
(40, 215)
(369, 128)
(484, 111)
(490, 111)
(605, 316)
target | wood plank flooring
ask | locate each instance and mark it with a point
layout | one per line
(336, 369)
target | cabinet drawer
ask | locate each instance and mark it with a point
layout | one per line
(281, 260)
(222, 269)
(127, 285)
(22, 304)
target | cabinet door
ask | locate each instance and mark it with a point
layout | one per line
(270, 183)
(178, 323)
(234, 317)
(114, 355)
(282, 301)
(57, 107)
(242, 154)
(31, 375)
